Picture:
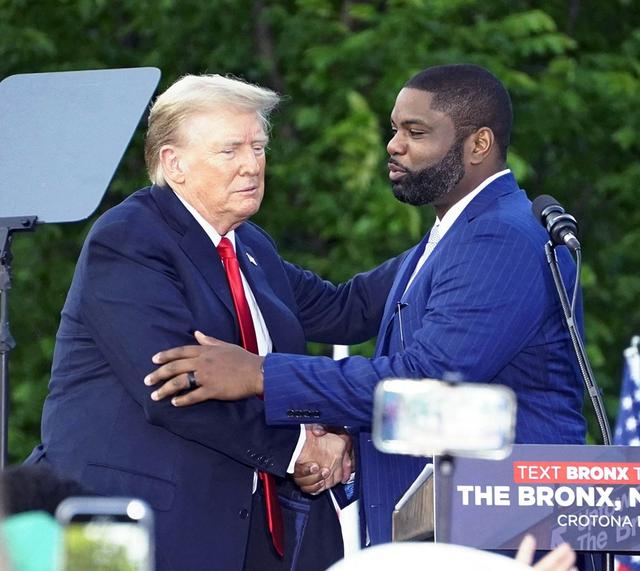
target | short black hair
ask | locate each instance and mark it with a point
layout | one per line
(472, 96)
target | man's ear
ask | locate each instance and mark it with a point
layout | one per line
(483, 142)
(172, 164)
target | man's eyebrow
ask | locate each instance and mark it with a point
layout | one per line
(409, 122)
(238, 142)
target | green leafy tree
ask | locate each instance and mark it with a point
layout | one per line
(85, 551)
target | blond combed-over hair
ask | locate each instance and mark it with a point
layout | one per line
(194, 94)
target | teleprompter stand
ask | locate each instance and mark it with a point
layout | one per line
(62, 136)
(7, 342)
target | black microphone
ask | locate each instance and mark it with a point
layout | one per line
(562, 227)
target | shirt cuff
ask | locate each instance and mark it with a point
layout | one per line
(298, 449)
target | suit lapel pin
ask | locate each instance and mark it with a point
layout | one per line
(252, 259)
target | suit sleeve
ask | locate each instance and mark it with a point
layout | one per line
(485, 302)
(347, 313)
(133, 304)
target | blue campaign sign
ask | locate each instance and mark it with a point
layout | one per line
(588, 496)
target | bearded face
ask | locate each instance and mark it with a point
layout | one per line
(430, 183)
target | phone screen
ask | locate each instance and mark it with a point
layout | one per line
(104, 544)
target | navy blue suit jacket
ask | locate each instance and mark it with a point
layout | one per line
(483, 305)
(147, 277)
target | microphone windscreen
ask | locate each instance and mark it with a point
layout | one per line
(541, 203)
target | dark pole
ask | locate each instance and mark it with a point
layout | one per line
(578, 347)
(7, 342)
(583, 361)
(444, 483)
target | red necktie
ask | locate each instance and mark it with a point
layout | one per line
(249, 342)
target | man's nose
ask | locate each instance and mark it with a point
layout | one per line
(250, 165)
(396, 146)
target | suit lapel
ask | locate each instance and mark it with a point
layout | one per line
(506, 184)
(198, 247)
(195, 243)
(397, 291)
(284, 336)
(400, 283)
(503, 185)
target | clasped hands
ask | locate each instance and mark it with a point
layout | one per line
(326, 459)
(225, 371)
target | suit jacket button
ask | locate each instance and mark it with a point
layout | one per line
(244, 514)
(290, 412)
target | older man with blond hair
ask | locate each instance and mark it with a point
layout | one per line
(171, 259)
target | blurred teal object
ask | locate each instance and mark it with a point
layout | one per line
(32, 541)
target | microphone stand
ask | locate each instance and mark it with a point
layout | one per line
(578, 347)
(445, 468)
(583, 362)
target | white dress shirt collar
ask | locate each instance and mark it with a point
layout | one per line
(210, 230)
(441, 227)
(452, 214)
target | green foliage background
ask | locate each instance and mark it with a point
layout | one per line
(572, 67)
(86, 548)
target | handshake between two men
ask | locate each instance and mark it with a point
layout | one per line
(228, 372)
(223, 371)
(326, 459)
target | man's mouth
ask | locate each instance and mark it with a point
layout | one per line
(248, 189)
(396, 172)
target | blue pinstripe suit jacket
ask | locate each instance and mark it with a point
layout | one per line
(483, 305)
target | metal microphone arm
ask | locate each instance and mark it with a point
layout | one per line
(583, 361)
(578, 347)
